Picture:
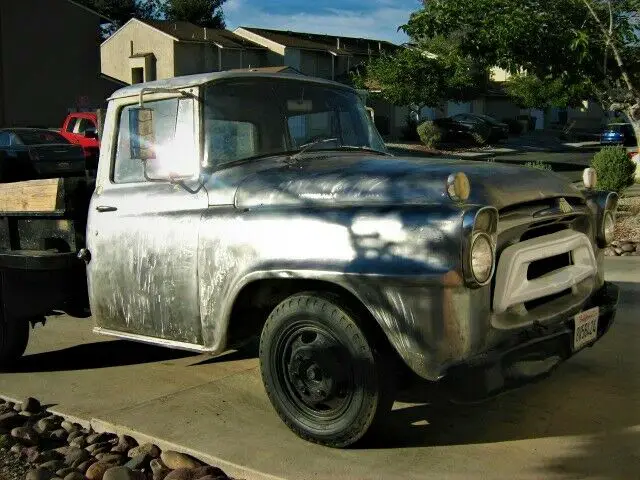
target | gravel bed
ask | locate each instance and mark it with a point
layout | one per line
(628, 220)
(37, 445)
(12, 467)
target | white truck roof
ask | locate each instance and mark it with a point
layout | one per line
(187, 81)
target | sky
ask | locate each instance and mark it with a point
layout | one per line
(375, 19)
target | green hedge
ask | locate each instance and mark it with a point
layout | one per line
(614, 168)
(429, 134)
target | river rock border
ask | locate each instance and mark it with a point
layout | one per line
(623, 249)
(57, 449)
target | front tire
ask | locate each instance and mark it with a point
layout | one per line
(321, 370)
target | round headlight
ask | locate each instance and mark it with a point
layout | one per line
(481, 258)
(608, 227)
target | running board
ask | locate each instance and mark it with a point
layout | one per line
(161, 342)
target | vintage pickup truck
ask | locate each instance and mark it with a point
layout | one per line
(230, 206)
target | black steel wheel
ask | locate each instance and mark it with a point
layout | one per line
(321, 370)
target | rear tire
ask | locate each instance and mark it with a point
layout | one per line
(321, 370)
(14, 337)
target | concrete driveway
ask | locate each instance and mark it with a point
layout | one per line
(583, 422)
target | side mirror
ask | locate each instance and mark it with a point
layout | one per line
(141, 133)
(91, 133)
(172, 158)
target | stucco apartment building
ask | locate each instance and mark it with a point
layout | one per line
(152, 50)
(49, 62)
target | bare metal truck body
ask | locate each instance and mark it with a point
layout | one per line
(234, 205)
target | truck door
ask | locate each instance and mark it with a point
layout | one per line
(143, 235)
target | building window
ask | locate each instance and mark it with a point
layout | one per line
(137, 75)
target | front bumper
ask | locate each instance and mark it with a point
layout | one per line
(528, 355)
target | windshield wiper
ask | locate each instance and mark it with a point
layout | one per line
(364, 149)
(307, 146)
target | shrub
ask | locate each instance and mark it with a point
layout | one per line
(539, 165)
(429, 134)
(614, 168)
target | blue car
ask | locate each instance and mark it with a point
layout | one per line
(618, 134)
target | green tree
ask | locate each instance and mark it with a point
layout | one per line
(424, 75)
(204, 13)
(121, 11)
(561, 51)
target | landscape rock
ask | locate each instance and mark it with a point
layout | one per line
(53, 465)
(159, 469)
(111, 458)
(125, 443)
(63, 472)
(628, 247)
(17, 449)
(214, 477)
(17, 407)
(122, 473)
(11, 420)
(145, 449)
(68, 426)
(47, 424)
(98, 438)
(97, 470)
(79, 442)
(46, 456)
(31, 405)
(75, 475)
(180, 474)
(26, 435)
(40, 474)
(97, 446)
(75, 434)
(59, 434)
(175, 460)
(138, 462)
(84, 466)
(626, 254)
(609, 252)
(618, 250)
(75, 456)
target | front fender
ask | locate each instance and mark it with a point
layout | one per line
(398, 262)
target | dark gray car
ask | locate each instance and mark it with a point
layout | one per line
(29, 153)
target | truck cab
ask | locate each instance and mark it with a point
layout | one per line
(235, 206)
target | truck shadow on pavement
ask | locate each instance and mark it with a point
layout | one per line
(96, 355)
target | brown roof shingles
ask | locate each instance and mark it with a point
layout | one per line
(188, 32)
(312, 41)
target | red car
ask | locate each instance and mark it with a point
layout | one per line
(81, 128)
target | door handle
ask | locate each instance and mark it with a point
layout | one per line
(105, 208)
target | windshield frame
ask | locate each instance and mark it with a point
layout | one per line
(368, 143)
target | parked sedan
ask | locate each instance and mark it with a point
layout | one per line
(30, 153)
(469, 126)
(618, 134)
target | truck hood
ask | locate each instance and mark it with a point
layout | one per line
(361, 180)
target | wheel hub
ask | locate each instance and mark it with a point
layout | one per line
(315, 372)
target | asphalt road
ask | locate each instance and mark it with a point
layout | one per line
(582, 422)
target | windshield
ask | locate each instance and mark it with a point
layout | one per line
(40, 137)
(253, 117)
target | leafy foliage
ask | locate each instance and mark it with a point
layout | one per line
(424, 75)
(429, 134)
(561, 51)
(204, 13)
(614, 168)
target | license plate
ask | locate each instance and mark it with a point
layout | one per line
(586, 327)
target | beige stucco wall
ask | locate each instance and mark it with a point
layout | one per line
(48, 67)
(115, 51)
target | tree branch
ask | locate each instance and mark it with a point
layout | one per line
(609, 38)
